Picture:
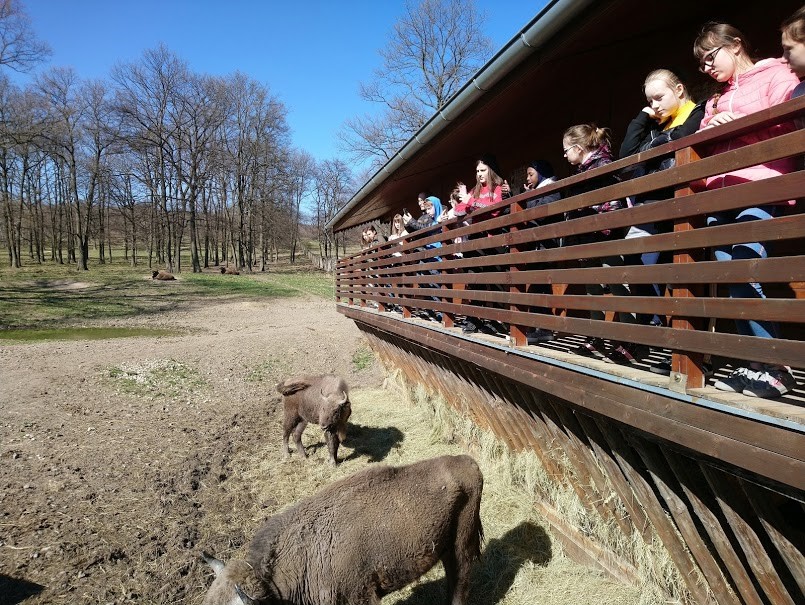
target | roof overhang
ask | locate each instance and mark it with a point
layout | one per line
(576, 61)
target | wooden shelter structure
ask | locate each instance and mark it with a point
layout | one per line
(718, 478)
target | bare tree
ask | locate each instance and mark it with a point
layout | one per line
(433, 50)
(19, 48)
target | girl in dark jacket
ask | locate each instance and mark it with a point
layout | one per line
(669, 114)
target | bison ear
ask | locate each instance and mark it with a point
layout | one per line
(216, 564)
(247, 600)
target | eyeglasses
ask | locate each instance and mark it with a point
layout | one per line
(709, 59)
(566, 149)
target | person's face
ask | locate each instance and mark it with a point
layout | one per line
(664, 100)
(482, 173)
(794, 54)
(430, 209)
(720, 62)
(574, 153)
(371, 234)
(531, 177)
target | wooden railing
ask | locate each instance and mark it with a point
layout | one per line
(488, 271)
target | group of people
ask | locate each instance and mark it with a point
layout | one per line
(747, 85)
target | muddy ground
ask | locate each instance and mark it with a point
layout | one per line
(119, 459)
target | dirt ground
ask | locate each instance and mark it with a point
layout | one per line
(106, 494)
(120, 460)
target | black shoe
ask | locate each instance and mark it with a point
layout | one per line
(664, 368)
(593, 347)
(470, 327)
(629, 353)
(538, 336)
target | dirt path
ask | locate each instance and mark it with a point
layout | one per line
(99, 482)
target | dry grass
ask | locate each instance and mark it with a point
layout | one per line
(520, 563)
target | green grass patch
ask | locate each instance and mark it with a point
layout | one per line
(51, 296)
(156, 378)
(269, 370)
(33, 335)
(363, 358)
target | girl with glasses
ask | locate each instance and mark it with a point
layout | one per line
(748, 86)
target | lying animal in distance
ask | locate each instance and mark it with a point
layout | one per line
(322, 400)
(229, 271)
(363, 537)
(162, 275)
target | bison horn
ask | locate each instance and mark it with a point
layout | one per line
(344, 397)
(216, 564)
(247, 600)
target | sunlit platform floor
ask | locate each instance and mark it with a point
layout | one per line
(565, 350)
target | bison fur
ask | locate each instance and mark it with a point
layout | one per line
(162, 275)
(229, 271)
(322, 400)
(363, 537)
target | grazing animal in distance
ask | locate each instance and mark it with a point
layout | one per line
(363, 537)
(229, 271)
(162, 275)
(322, 400)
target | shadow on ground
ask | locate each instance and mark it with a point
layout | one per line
(13, 590)
(493, 575)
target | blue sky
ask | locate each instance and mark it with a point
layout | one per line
(312, 55)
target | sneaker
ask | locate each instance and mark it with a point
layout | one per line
(664, 368)
(539, 335)
(771, 383)
(737, 381)
(470, 326)
(629, 353)
(593, 347)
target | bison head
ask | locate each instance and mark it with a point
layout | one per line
(226, 588)
(333, 408)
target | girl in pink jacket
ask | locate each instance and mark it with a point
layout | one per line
(749, 86)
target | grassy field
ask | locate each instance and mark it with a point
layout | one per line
(52, 301)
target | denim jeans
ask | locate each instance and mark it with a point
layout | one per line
(746, 251)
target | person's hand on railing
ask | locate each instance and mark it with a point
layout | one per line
(722, 117)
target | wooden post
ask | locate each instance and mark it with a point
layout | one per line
(448, 319)
(516, 333)
(686, 367)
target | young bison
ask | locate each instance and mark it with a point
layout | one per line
(322, 400)
(162, 275)
(363, 537)
(229, 271)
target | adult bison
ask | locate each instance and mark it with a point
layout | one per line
(363, 537)
(322, 400)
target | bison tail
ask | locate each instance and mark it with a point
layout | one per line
(292, 385)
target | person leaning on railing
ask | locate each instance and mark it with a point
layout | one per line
(586, 146)
(669, 114)
(540, 173)
(793, 43)
(431, 209)
(748, 86)
(490, 189)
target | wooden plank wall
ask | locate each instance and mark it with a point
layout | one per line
(734, 537)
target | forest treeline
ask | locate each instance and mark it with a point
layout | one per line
(157, 160)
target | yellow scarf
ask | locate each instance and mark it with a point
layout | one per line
(680, 116)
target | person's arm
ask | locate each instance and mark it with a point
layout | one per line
(635, 133)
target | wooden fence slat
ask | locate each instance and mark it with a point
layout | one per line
(729, 496)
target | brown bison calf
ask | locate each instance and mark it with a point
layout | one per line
(229, 271)
(363, 537)
(322, 400)
(162, 275)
